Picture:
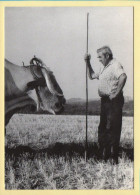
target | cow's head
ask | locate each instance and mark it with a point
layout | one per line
(52, 98)
(49, 94)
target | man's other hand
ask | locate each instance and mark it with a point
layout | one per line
(112, 96)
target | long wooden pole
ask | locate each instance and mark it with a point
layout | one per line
(86, 145)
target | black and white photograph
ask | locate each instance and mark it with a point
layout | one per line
(69, 105)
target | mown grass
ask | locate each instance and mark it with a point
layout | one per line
(47, 152)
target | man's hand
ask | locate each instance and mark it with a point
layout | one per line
(112, 96)
(121, 83)
(87, 57)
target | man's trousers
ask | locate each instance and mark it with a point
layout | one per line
(109, 131)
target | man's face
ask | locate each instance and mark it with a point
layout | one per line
(104, 59)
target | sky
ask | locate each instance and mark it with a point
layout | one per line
(58, 36)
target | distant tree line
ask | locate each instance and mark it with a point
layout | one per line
(77, 106)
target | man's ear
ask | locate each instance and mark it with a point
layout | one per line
(107, 56)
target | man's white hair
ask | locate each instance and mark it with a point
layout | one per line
(106, 50)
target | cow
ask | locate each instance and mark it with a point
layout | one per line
(33, 85)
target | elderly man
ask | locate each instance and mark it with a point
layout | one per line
(112, 79)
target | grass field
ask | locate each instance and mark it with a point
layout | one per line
(47, 152)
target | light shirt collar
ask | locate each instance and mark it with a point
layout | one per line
(110, 63)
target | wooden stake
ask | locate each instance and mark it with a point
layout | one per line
(86, 145)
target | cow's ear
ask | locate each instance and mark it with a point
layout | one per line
(31, 85)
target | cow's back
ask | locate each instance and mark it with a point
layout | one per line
(15, 97)
(11, 89)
